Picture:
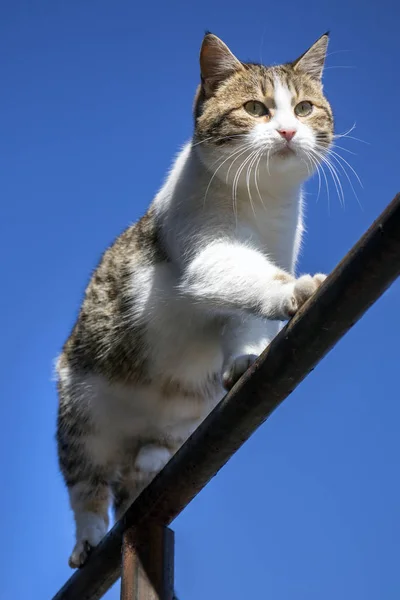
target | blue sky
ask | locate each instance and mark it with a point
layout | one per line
(95, 101)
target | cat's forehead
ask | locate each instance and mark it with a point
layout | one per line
(263, 82)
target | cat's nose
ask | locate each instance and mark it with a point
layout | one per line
(288, 134)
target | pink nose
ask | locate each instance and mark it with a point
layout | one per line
(288, 134)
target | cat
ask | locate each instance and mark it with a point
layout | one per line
(184, 301)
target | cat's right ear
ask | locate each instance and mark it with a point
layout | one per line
(217, 63)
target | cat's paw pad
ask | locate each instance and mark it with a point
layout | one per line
(303, 289)
(234, 371)
(91, 536)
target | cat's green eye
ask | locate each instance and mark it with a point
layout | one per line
(303, 109)
(256, 108)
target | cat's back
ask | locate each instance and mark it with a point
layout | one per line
(107, 337)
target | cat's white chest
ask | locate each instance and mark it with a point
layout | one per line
(274, 228)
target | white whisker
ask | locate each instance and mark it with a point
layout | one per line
(268, 153)
(225, 137)
(249, 169)
(336, 52)
(246, 148)
(234, 203)
(336, 157)
(325, 178)
(237, 177)
(350, 137)
(218, 168)
(345, 149)
(257, 170)
(352, 128)
(348, 164)
(317, 168)
(335, 178)
(341, 67)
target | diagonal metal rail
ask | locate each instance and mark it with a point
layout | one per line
(354, 285)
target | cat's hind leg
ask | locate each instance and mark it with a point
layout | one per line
(90, 502)
(150, 459)
(89, 495)
(87, 479)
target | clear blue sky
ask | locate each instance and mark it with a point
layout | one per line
(95, 101)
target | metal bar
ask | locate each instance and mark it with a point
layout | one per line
(356, 283)
(148, 563)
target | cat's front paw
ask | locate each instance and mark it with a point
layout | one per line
(236, 369)
(303, 288)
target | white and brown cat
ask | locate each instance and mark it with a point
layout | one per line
(184, 300)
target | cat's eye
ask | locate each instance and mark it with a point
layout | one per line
(303, 109)
(256, 108)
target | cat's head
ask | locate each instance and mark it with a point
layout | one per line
(277, 114)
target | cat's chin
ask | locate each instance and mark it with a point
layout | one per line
(286, 159)
(286, 152)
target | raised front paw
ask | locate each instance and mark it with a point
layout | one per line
(236, 369)
(303, 288)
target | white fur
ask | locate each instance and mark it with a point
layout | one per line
(152, 459)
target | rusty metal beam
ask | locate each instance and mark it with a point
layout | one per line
(148, 563)
(355, 284)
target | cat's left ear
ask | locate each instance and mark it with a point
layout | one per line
(313, 60)
(217, 63)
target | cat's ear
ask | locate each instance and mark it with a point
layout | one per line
(313, 60)
(216, 63)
